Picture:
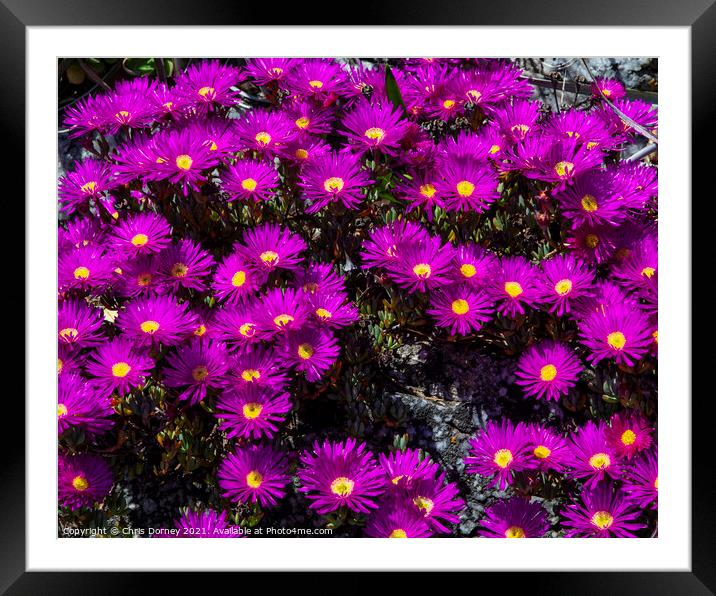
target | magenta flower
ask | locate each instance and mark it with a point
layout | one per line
(438, 501)
(141, 276)
(332, 310)
(89, 180)
(375, 127)
(594, 244)
(514, 285)
(251, 411)
(548, 451)
(265, 71)
(592, 201)
(185, 265)
(320, 278)
(345, 474)
(250, 180)
(548, 370)
(254, 474)
(473, 265)
(592, 457)
(628, 433)
(237, 326)
(258, 366)
(639, 271)
(514, 518)
(641, 481)
(517, 119)
(422, 267)
(601, 512)
(610, 88)
(80, 405)
(182, 157)
(118, 366)
(565, 280)
(81, 232)
(461, 309)
(499, 449)
(141, 234)
(317, 78)
(270, 247)
(396, 518)
(205, 524)
(384, 244)
(196, 367)
(86, 116)
(581, 127)
(79, 324)
(618, 332)
(157, 319)
(311, 351)
(207, 83)
(83, 480)
(281, 311)
(236, 279)
(264, 131)
(309, 118)
(469, 186)
(402, 467)
(425, 190)
(86, 267)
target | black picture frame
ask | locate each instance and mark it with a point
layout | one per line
(699, 15)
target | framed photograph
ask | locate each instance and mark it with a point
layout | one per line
(400, 278)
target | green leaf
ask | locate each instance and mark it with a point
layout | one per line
(392, 89)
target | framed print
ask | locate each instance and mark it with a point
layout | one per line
(400, 278)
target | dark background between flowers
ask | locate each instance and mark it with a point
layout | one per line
(399, 380)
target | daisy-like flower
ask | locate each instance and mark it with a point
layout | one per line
(157, 319)
(384, 244)
(345, 474)
(264, 131)
(422, 267)
(644, 114)
(140, 276)
(565, 279)
(332, 310)
(271, 247)
(366, 82)
(282, 310)
(377, 127)
(592, 457)
(318, 78)
(591, 200)
(251, 411)
(601, 512)
(562, 161)
(628, 433)
(548, 451)
(424, 191)
(69, 360)
(89, 180)
(469, 185)
(79, 324)
(461, 309)
(83, 480)
(619, 332)
(265, 71)
(582, 127)
(634, 183)
(395, 518)
(609, 88)
(250, 180)
(196, 367)
(402, 467)
(639, 271)
(594, 244)
(205, 524)
(305, 150)
(185, 265)
(167, 104)
(605, 294)
(309, 118)
(85, 117)
(514, 518)
(514, 285)
(118, 366)
(81, 232)
(254, 474)
(548, 370)
(85, 267)
(142, 233)
(500, 449)
(641, 482)
(182, 157)
(79, 405)
(438, 501)
(312, 351)
(517, 119)
(207, 83)
(320, 278)
(258, 366)
(128, 105)
(235, 279)
(237, 326)
(334, 178)
(473, 265)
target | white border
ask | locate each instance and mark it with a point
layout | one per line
(671, 551)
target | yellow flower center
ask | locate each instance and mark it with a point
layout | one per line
(301, 154)
(81, 273)
(427, 190)
(149, 326)
(80, 483)
(263, 138)
(254, 479)
(168, 105)
(212, 145)
(310, 287)
(179, 270)
(89, 187)
(305, 351)
(628, 437)
(600, 461)
(315, 84)
(60, 365)
(184, 162)
(139, 239)
(69, 333)
(465, 188)
(323, 313)
(589, 203)
(250, 374)
(249, 184)
(468, 270)
(209, 92)
(563, 287)
(238, 279)
(460, 306)
(448, 104)
(607, 92)
(542, 451)
(247, 329)
(122, 116)
(602, 519)
(494, 149)
(564, 168)
(514, 532)
(144, 279)
(375, 134)
(282, 320)
(302, 122)
(422, 270)
(656, 483)
(252, 410)
(592, 145)
(424, 504)
(398, 533)
(520, 129)
(513, 289)
(616, 340)
(503, 457)
(342, 486)
(655, 335)
(591, 240)
(120, 369)
(474, 95)
(200, 330)
(397, 479)
(61, 410)
(275, 71)
(200, 373)
(333, 184)
(648, 272)
(269, 256)
(548, 372)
